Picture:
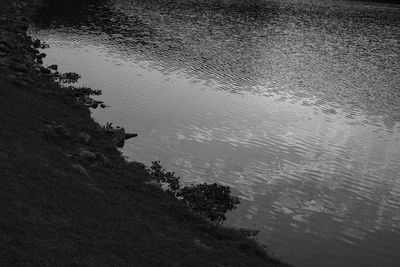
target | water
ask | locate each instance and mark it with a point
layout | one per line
(294, 104)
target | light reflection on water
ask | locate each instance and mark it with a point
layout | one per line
(296, 108)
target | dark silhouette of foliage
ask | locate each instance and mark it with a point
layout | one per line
(69, 77)
(163, 176)
(209, 200)
(82, 91)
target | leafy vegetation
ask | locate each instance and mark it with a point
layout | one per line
(69, 77)
(212, 201)
(161, 175)
(83, 91)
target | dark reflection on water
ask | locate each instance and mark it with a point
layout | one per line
(295, 104)
(346, 56)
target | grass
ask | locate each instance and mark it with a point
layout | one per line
(53, 215)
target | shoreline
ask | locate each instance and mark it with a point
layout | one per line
(68, 195)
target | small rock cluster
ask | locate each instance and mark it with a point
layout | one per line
(19, 54)
(118, 134)
(54, 130)
(81, 157)
(21, 60)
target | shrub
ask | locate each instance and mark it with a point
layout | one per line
(69, 77)
(209, 200)
(161, 175)
(82, 91)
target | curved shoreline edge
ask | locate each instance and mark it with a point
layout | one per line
(68, 197)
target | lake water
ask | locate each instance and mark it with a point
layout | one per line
(294, 104)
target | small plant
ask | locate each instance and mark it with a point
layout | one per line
(210, 200)
(83, 91)
(110, 127)
(161, 175)
(69, 77)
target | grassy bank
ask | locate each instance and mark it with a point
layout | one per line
(73, 201)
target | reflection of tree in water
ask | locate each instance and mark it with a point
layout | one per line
(203, 39)
(90, 16)
(338, 56)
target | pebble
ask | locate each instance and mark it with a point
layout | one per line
(201, 244)
(86, 154)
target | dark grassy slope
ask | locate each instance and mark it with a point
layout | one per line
(53, 215)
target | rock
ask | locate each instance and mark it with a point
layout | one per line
(201, 244)
(68, 155)
(86, 155)
(103, 106)
(118, 137)
(22, 84)
(80, 169)
(45, 121)
(54, 130)
(84, 137)
(53, 67)
(130, 135)
(61, 131)
(39, 60)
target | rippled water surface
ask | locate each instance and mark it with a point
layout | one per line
(294, 104)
